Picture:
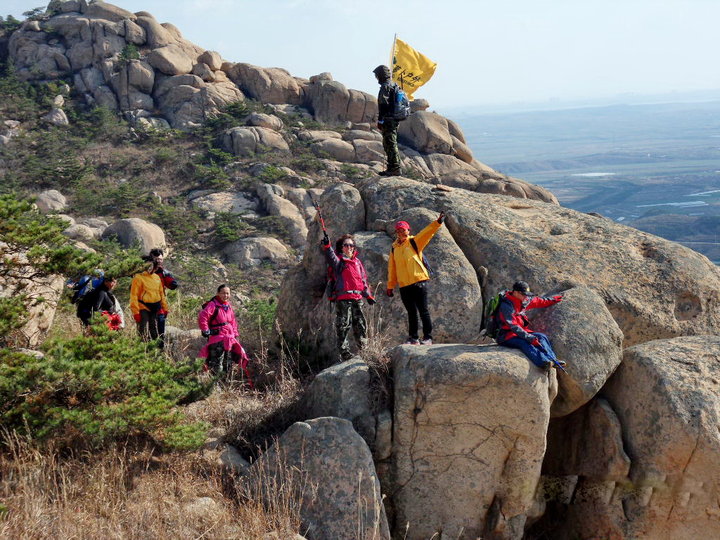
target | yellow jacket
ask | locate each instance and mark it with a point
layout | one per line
(405, 266)
(147, 287)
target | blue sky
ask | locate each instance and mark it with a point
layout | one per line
(488, 52)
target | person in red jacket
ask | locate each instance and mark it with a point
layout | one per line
(514, 327)
(351, 286)
(217, 323)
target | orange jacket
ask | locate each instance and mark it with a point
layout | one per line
(146, 287)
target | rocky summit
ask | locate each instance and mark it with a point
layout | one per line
(459, 439)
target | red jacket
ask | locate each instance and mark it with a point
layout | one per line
(350, 277)
(512, 319)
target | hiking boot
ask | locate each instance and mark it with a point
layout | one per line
(427, 341)
(412, 341)
(561, 362)
(391, 172)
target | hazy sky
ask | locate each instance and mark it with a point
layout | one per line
(488, 52)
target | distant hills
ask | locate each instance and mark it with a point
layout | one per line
(653, 166)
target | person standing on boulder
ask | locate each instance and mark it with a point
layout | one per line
(408, 270)
(514, 328)
(386, 123)
(147, 301)
(168, 281)
(350, 287)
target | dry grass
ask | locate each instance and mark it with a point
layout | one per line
(121, 495)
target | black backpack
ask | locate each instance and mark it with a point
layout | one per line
(400, 104)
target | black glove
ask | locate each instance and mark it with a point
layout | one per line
(325, 242)
(441, 218)
(370, 300)
(206, 333)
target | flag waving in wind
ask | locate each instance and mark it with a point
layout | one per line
(410, 69)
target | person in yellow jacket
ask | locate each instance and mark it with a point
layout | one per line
(407, 270)
(147, 301)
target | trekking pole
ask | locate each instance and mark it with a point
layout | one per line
(320, 217)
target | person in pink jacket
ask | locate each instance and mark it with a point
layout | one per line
(223, 349)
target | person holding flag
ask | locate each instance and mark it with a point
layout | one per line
(410, 70)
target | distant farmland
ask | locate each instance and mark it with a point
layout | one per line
(654, 167)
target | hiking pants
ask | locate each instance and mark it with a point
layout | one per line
(389, 135)
(148, 327)
(538, 356)
(414, 298)
(349, 314)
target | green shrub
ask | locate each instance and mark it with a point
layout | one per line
(261, 314)
(97, 389)
(230, 227)
(271, 174)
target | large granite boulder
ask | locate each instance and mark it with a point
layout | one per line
(584, 334)
(51, 200)
(665, 394)
(249, 252)
(268, 85)
(653, 288)
(136, 232)
(341, 497)
(468, 441)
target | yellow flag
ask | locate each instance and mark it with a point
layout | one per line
(410, 69)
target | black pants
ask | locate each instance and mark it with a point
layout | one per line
(414, 298)
(148, 327)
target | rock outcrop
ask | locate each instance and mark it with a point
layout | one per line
(331, 470)
(469, 439)
(136, 232)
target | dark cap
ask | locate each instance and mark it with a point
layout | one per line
(382, 73)
(521, 286)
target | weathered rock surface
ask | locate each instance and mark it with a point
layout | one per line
(584, 334)
(51, 200)
(226, 201)
(665, 394)
(136, 231)
(276, 205)
(249, 252)
(332, 457)
(652, 287)
(469, 439)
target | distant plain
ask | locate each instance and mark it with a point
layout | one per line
(655, 167)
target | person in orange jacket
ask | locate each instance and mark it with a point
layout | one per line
(147, 301)
(407, 269)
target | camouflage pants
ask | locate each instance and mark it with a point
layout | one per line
(389, 135)
(349, 314)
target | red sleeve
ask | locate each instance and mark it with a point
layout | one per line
(541, 302)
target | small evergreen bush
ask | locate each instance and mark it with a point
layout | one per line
(97, 389)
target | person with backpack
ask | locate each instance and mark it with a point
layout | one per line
(217, 323)
(348, 285)
(168, 281)
(392, 108)
(513, 327)
(99, 300)
(408, 268)
(147, 301)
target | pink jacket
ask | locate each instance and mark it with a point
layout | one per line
(220, 316)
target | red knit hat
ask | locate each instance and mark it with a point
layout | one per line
(402, 225)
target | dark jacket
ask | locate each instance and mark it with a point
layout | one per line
(385, 98)
(512, 319)
(350, 277)
(97, 300)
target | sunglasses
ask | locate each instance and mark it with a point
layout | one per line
(349, 245)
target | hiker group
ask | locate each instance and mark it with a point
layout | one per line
(409, 270)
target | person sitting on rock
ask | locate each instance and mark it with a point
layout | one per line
(514, 328)
(350, 287)
(147, 301)
(217, 322)
(99, 300)
(386, 123)
(406, 268)
(168, 281)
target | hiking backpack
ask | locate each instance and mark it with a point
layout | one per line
(425, 262)
(400, 104)
(490, 320)
(83, 286)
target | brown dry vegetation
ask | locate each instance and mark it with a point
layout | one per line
(127, 495)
